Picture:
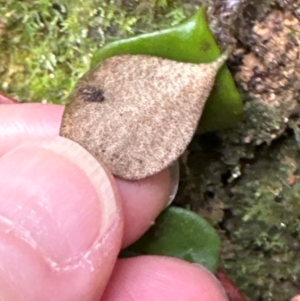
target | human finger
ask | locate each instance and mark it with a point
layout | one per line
(6, 99)
(142, 200)
(21, 123)
(60, 223)
(160, 278)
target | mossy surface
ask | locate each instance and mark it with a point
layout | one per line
(46, 46)
(243, 180)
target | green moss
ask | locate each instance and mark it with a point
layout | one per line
(264, 205)
(46, 46)
(242, 180)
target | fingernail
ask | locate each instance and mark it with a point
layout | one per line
(63, 199)
(175, 175)
(94, 171)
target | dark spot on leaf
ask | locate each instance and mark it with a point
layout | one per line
(92, 94)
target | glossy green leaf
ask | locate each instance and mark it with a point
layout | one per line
(193, 42)
(183, 234)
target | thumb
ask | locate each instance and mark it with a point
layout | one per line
(60, 223)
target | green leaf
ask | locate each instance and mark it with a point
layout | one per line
(180, 233)
(191, 41)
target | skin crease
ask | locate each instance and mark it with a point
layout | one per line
(63, 228)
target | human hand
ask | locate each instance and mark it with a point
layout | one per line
(63, 219)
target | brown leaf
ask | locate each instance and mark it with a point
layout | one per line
(137, 113)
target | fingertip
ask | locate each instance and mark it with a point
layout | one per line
(21, 123)
(5, 99)
(159, 278)
(143, 200)
(63, 216)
